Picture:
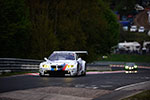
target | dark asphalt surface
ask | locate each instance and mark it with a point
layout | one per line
(107, 81)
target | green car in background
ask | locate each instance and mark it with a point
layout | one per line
(130, 66)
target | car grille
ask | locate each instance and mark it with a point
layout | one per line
(54, 66)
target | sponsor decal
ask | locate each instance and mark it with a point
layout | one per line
(65, 65)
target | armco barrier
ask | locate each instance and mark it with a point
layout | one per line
(16, 64)
(118, 63)
(98, 67)
(121, 64)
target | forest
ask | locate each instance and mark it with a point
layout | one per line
(35, 28)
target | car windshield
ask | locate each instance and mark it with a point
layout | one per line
(130, 64)
(62, 56)
(133, 27)
(141, 27)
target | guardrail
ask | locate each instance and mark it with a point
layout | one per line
(98, 66)
(16, 64)
(121, 64)
(118, 63)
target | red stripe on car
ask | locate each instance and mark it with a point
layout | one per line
(64, 67)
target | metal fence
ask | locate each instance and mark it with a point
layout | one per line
(16, 64)
(118, 63)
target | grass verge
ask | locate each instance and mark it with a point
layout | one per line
(145, 95)
(126, 58)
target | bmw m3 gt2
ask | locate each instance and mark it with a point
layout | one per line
(63, 62)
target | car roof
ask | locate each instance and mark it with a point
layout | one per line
(70, 52)
(133, 26)
(141, 26)
(129, 63)
(63, 52)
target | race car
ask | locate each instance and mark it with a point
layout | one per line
(63, 63)
(130, 66)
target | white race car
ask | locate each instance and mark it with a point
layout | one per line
(63, 62)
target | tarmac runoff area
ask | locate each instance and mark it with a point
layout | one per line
(76, 93)
(72, 93)
(54, 93)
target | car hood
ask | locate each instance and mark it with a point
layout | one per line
(60, 62)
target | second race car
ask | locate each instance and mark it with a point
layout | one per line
(130, 66)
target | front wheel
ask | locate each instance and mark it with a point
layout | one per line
(84, 72)
(41, 75)
(77, 74)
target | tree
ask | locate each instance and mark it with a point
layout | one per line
(69, 30)
(72, 25)
(44, 41)
(14, 28)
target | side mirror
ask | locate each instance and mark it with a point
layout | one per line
(45, 58)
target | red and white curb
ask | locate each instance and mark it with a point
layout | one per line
(33, 74)
(89, 73)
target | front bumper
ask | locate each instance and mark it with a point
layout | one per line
(71, 72)
(130, 68)
(56, 72)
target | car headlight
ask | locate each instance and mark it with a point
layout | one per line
(132, 67)
(126, 67)
(135, 66)
(45, 66)
(70, 66)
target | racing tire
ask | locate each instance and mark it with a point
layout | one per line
(84, 73)
(77, 70)
(41, 75)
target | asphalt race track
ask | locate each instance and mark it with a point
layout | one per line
(93, 80)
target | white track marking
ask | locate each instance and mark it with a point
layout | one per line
(131, 85)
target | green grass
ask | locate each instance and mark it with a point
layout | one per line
(145, 95)
(127, 58)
